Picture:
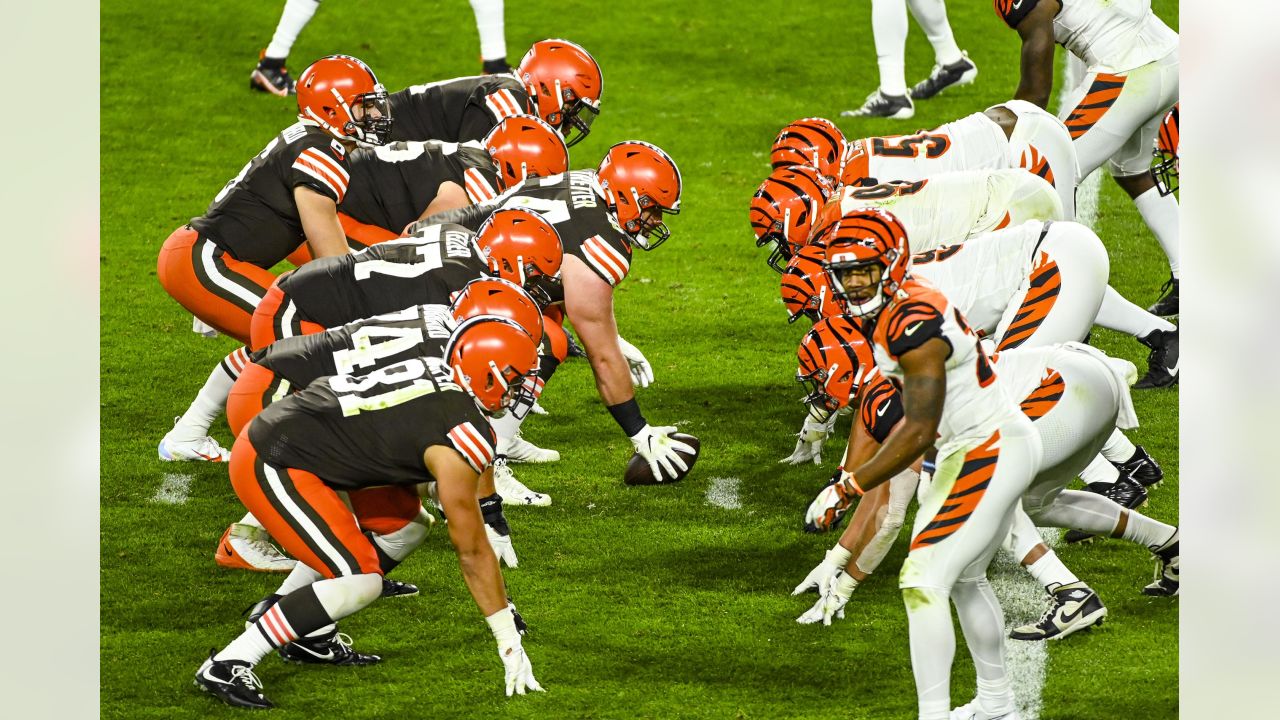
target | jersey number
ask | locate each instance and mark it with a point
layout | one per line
(935, 255)
(373, 343)
(910, 145)
(985, 374)
(553, 211)
(897, 188)
(404, 381)
(429, 253)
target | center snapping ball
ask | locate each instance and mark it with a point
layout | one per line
(639, 473)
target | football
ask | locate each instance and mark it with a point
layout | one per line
(638, 472)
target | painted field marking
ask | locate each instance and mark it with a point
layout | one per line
(174, 489)
(723, 493)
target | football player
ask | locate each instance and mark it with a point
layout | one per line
(1165, 171)
(889, 30)
(1115, 112)
(271, 76)
(557, 81)
(218, 265)
(420, 421)
(600, 216)
(988, 452)
(1075, 396)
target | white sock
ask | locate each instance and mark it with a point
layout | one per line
(493, 41)
(1117, 313)
(399, 544)
(250, 646)
(889, 30)
(1099, 470)
(1084, 511)
(301, 576)
(211, 400)
(296, 15)
(1160, 213)
(932, 16)
(933, 647)
(1151, 533)
(1050, 572)
(1119, 448)
(982, 621)
(506, 428)
(342, 596)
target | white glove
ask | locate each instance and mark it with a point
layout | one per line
(828, 508)
(832, 602)
(537, 409)
(656, 446)
(812, 436)
(641, 370)
(502, 546)
(819, 578)
(519, 671)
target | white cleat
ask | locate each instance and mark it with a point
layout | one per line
(973, 711)
(513, 491)
(249, 548)
(519, 450)
(202, 449)
(537, 409)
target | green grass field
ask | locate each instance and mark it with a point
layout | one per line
(643, 602)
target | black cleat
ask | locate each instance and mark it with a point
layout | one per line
(1075, 607)
(333, 648)
(1162, 361)
(1142, 468)
(495, 67)
(894, 107)
(395, 588)
(271, 76)
(1166, 583)
(960, 72)
(232, 682)
(1125, 492)
(1167, 305)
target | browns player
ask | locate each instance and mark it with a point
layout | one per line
(218, 265)
(988, 452)
(402, 182)
(600, 215)
(419, 421)
(557, 81)
(1114, 114)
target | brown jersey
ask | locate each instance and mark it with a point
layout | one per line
(255, 217)
(456, 110)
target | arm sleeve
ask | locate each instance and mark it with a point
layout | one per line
(912, 324)
(1013, 11)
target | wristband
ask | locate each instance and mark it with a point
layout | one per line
(846, 584)
(852, 482)
(503, 626)
(839, 556)
(627, 415)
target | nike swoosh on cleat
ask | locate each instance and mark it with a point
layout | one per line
(1068, 617)
(327, 656)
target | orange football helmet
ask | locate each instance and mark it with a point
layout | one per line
(834, 360)
(861, 241)
(495, 296)
(636, 176)
(815, 142)
(491, 358)
(805, 290)
(564, 84)
(330, 90)
(784, 209)
(523, 146)
(1165, 171)
(522, 247)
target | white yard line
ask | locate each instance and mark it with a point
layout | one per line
(723, 493)
(174, 490)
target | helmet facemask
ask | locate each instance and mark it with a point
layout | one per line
(573, 116)
(859, 283)
(374, 125)
(645, 232)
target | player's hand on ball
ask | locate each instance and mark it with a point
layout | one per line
(831, 603)
(821, 576)
(661, 451)
(641, 370)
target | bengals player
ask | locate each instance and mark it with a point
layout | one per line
(988, 452)
(218, 265)
(557, 81)
(600, 215)
(422, 420)
(1114, 114)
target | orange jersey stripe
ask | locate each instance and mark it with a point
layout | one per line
(970, 487)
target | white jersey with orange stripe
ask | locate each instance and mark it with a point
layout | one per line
(1112, 36)
(974, 142)
(949, 208)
